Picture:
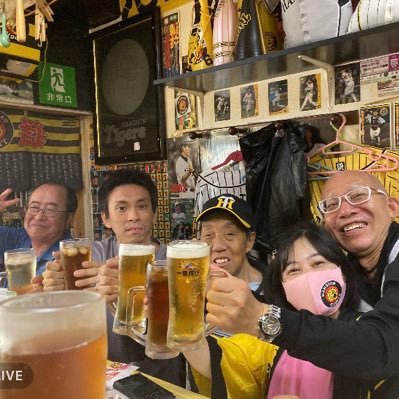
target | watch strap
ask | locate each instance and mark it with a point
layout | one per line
(274, 311)
(272, 315)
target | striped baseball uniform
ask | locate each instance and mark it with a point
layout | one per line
(372, 13)
(212, 183)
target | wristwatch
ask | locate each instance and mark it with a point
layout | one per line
(270, 324)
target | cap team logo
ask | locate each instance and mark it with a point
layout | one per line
(331, 293)
(6, 130)
(225, 202)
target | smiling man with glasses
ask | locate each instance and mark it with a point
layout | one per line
(49, 212)
(359, 213)
(357, 196)
(48, 217)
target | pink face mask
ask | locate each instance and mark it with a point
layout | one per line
(320, 292)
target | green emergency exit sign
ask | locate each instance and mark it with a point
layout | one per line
(58, 85)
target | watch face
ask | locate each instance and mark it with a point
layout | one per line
(271, 325)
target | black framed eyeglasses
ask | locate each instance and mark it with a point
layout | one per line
(48, 212)
(354, 197)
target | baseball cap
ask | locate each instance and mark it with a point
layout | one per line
(236, 206)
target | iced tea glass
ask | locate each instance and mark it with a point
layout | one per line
(157, 312)
(20, 265)
(73, 253)
(58, 343)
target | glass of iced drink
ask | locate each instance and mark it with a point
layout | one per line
(20, 265)
(73, 253)
(157, 293)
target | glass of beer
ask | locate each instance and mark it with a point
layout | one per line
(54, 345)
(133, 260)
(73, 253)
(20, 265)
(188, 265)
(157, 312)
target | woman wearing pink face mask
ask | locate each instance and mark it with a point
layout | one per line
(310, 273)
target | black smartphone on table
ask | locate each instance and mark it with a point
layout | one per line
(138, 386)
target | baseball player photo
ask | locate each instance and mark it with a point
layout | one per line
(375, 125)
(222, 105)
(278, 97)
(310, 92)
(182, 219)
(347, 83)
(249, 101)
(184, 166)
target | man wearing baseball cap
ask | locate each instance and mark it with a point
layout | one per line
(227, 224)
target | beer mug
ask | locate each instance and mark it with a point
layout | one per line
(74, 252)
(133, 259)
(157, 312)
(188, 266)
(53, 345)
(20, 265)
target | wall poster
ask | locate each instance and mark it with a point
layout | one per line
(129, 115)
(170, 45)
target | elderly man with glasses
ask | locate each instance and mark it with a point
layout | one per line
(48, 217)
(359, 214)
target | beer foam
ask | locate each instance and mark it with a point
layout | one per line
(136, 249)
(187, 249)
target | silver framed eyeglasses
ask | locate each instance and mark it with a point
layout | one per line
(354, 197)
(48, 212)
